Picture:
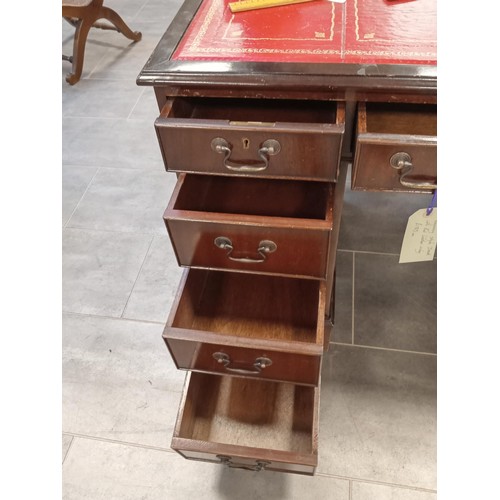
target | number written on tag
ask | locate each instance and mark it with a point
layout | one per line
(420, 239)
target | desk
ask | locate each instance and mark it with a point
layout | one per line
(260, 114)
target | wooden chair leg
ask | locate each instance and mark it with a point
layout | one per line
(119, 23)
(82, 30)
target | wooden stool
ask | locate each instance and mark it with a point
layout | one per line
(83, 15)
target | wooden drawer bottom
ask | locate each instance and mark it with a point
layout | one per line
(246, 318)
(248, 423)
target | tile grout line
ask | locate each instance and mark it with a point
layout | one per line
(395, 485)
(385, 349)
(350, 489)
(115, 441)
(114, 231)
(136, 17)
(69, 447)
(148, 321)
(368, 252)
(117, 167)
(381, 483)
(89, 76)
(168, 450)
(137, 277)
(108, 118)
(136, 102)
(102, 316)
(352, 298)
(81, 198)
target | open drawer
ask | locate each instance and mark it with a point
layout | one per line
(396, 147)
(252, 137)
(248, 325)
(248, 424)
(252, 225)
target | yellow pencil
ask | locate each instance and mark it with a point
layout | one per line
(261, 4)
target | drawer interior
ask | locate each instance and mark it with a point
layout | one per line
(255, 110)
(249, 305)
(397, 118)
(251, 196)
(249, 412)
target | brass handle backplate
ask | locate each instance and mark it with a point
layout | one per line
(259, 465)
(265, 247)
(268, 148)
(259, 364)
(402, 161)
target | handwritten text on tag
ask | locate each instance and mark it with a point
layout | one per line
(420, 239)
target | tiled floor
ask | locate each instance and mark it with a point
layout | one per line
(121, 390)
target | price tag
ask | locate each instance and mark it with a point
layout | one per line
(420, 239)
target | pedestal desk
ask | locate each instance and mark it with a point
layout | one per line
(260, 114)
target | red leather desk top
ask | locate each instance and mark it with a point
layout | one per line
(357, 31)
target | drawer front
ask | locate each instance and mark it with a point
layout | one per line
(226, 455)
(240, 361)
(395, 155)
(251, 325)
(251, 137)
(248, 424)
(258, 249)
(251, 225)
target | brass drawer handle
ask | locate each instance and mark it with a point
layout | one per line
(402, 161)
(268, 148)
(258, 365)
(260, 464)
(265, 247)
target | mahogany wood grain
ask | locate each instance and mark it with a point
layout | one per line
(332, 249)
(246, 317)
(384, 129)
(382, 106)
(279, 427)
(297, 216)
(309, 134)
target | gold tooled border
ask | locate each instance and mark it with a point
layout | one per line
(357, 29)
(215, 7)
(329, 39)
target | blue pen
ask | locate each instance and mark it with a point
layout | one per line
(433, 203)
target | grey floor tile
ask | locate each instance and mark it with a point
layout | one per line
(367, 491)
(376, 222)
(110, 143)
(101, 98)
(395, 304)
(99, 269)
(164, 10)
(378, 416)
(153, 29)
(157, 284)
(66, 443)
(128, 10)
(99, 470)
(75, 180)
(119, 381)
(146, 107)
(126, 64)
(125, 200)
(342, 331)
